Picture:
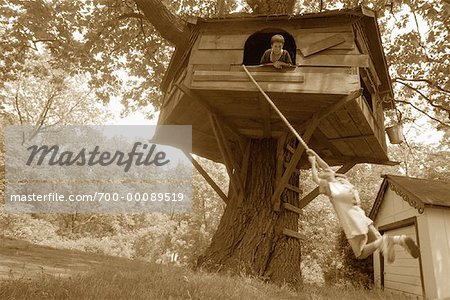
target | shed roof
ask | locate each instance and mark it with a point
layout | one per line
(418, 192)
(367, 16)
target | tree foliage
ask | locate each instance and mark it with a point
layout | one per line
(117, 48)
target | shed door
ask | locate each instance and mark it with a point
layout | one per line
(404, 274)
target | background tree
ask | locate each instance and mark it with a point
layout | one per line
(122, 48)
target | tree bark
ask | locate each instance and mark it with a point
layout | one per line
(250, 238)
(170, 26)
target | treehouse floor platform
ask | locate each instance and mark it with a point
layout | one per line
(348, 134)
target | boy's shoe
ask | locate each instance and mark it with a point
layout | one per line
(410, 246)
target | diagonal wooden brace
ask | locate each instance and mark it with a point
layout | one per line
(231, 165)
(208, 179)
(290, 168)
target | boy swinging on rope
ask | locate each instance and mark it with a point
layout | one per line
(362, 236)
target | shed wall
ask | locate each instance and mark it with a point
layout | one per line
(394, 209)
(436, 242)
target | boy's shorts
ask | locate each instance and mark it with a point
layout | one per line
(358, 242)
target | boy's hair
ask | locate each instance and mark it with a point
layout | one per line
(277, 38)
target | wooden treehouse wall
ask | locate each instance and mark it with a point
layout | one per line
(211, 72)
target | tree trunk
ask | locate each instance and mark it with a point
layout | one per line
(250, 235)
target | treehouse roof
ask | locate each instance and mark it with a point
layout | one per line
(367, 17)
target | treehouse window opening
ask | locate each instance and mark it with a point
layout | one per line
(259, 42)
(366, 94)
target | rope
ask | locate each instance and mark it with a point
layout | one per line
(280, 114)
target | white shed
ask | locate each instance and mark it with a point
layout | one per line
(418, 208)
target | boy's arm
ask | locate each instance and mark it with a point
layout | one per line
(314, 173)
(320, 161)
(324, 187)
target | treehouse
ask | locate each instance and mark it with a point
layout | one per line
(339, 82)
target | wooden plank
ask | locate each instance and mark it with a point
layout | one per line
(308, 49)
(227, 41)
(314, 83)
(292, 208)
(314, 37)
(293, 162)
(293, 234)
(358, 160)
(210, 67)
(322, 139)
(362, 124)
(338, 104)
(216, 57)
(290, 148)
(350, 129)
(227, 155)
(224, 154)
(294, 188)
(351, 60)
(241, 76)
(208, 179)
(299, 69)
(297, 171)
(222, 41)
(352, 138)
(280, 157)
(315, 192)
(404, 287)
(342, 28)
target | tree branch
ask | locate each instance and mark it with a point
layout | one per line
(424, 96)
(431, 83)
(170, 26)
(424, 112)
(16, 102)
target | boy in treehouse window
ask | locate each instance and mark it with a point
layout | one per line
(276, 55)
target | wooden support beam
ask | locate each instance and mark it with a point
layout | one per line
(293, 163)
(290, 148)
(314, 193)
(226, 153)
(293, 234)
(359, 160)
(292, 208)
(208, 179)
(352, 138)
(280, 157)
(296, 170)
(294, 188)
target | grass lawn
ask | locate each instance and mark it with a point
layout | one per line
(34, 272)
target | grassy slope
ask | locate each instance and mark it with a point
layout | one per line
(34, 272)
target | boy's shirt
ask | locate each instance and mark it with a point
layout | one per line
(285, 57)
